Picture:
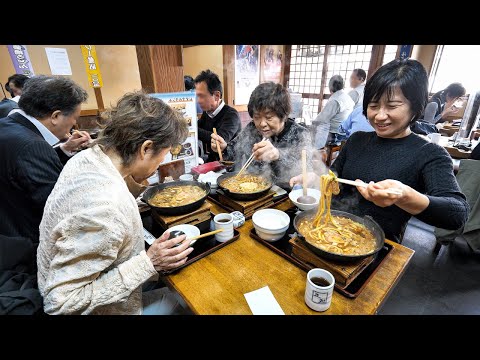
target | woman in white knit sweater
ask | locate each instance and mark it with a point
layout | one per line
(91, 257)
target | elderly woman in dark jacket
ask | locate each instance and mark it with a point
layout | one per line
(275, 140)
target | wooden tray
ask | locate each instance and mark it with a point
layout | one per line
(246, 206)
(344, 273)
(276, 200)
(193, 218)
(284, 249)
(204, 247)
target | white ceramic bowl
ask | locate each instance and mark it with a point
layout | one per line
(295, 194)
(189, 230)
(270, 224)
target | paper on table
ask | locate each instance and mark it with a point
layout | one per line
(262, 302)
(149, 238)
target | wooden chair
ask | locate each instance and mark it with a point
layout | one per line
(332, 149)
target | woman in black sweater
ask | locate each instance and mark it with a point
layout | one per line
(394, 157)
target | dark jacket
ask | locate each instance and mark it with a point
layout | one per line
(29, 169)
(7, 105)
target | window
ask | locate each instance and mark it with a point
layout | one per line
(390, 53)
(456, 63)
(307, 75)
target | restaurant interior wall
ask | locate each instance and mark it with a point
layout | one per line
(201, 57)
(425, 54)
(118, 66)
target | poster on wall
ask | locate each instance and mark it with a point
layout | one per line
(272, 63)
(58, 61)
(92, 67)
(247, 72)
(185, 104)
(21, 60)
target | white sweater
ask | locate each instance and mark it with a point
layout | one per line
(91, 257)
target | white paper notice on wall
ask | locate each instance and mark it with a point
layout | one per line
(58, 61)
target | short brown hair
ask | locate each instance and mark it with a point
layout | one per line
(139, 117)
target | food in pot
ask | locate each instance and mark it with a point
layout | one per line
(177, 196)
(245, 183)
(335, 234)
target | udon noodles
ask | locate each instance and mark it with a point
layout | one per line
(335, 234)
(245, 183)
(177, 196)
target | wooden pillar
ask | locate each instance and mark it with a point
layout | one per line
(229, 74)
(161, 68)
(378, 52)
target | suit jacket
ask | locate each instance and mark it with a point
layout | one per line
(29, 169)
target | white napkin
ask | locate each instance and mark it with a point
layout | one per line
(262, 302)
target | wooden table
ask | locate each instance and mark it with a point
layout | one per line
(454, 152)
(216, 283)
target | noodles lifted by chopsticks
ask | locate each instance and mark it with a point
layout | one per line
(336, 234)
(328, 185)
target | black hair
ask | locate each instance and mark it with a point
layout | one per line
(270, 96)
(189, 82)
(18, 80)
(212, 80)
(455, 90)
(42, 95)
(360, 73)
(336, 83)
(7, 87)
(408, 75)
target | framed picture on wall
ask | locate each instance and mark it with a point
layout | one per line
(247, 72)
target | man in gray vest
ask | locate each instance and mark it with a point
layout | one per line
(337, 109)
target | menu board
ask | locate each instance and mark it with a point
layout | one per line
(185, 104)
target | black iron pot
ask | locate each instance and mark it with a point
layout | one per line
(369, 223)
(241, 196)
(176, 210)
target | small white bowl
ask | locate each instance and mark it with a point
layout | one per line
(189, 230)
(270, 224)
(295, 194)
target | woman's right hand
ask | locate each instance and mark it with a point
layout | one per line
(164, 256)
(311, 179)
(221, 142)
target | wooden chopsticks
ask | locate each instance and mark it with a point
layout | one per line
(363, 184)
(249, 161)
(218, 146)
(204, 235)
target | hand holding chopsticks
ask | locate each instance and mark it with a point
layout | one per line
(218, 145)
(249, 161)
(363, 184)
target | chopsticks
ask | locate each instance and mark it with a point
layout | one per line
(204, 235)
(363, 184)
(218, 146)
(249, 161)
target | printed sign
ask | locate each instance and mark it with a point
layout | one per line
(21, 60)
(185, 104)
(90, 59)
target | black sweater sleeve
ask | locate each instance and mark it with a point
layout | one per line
(448, 208)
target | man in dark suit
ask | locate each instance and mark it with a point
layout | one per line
(29, 168)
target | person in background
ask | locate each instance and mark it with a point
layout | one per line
(29, 169)
(337, 109)
(356, 121)
(280, 155)
(91, 257)
(15, 85)
(216, 114)
(190, 86)
(445, 100)
(357, 83)
(394, 157)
